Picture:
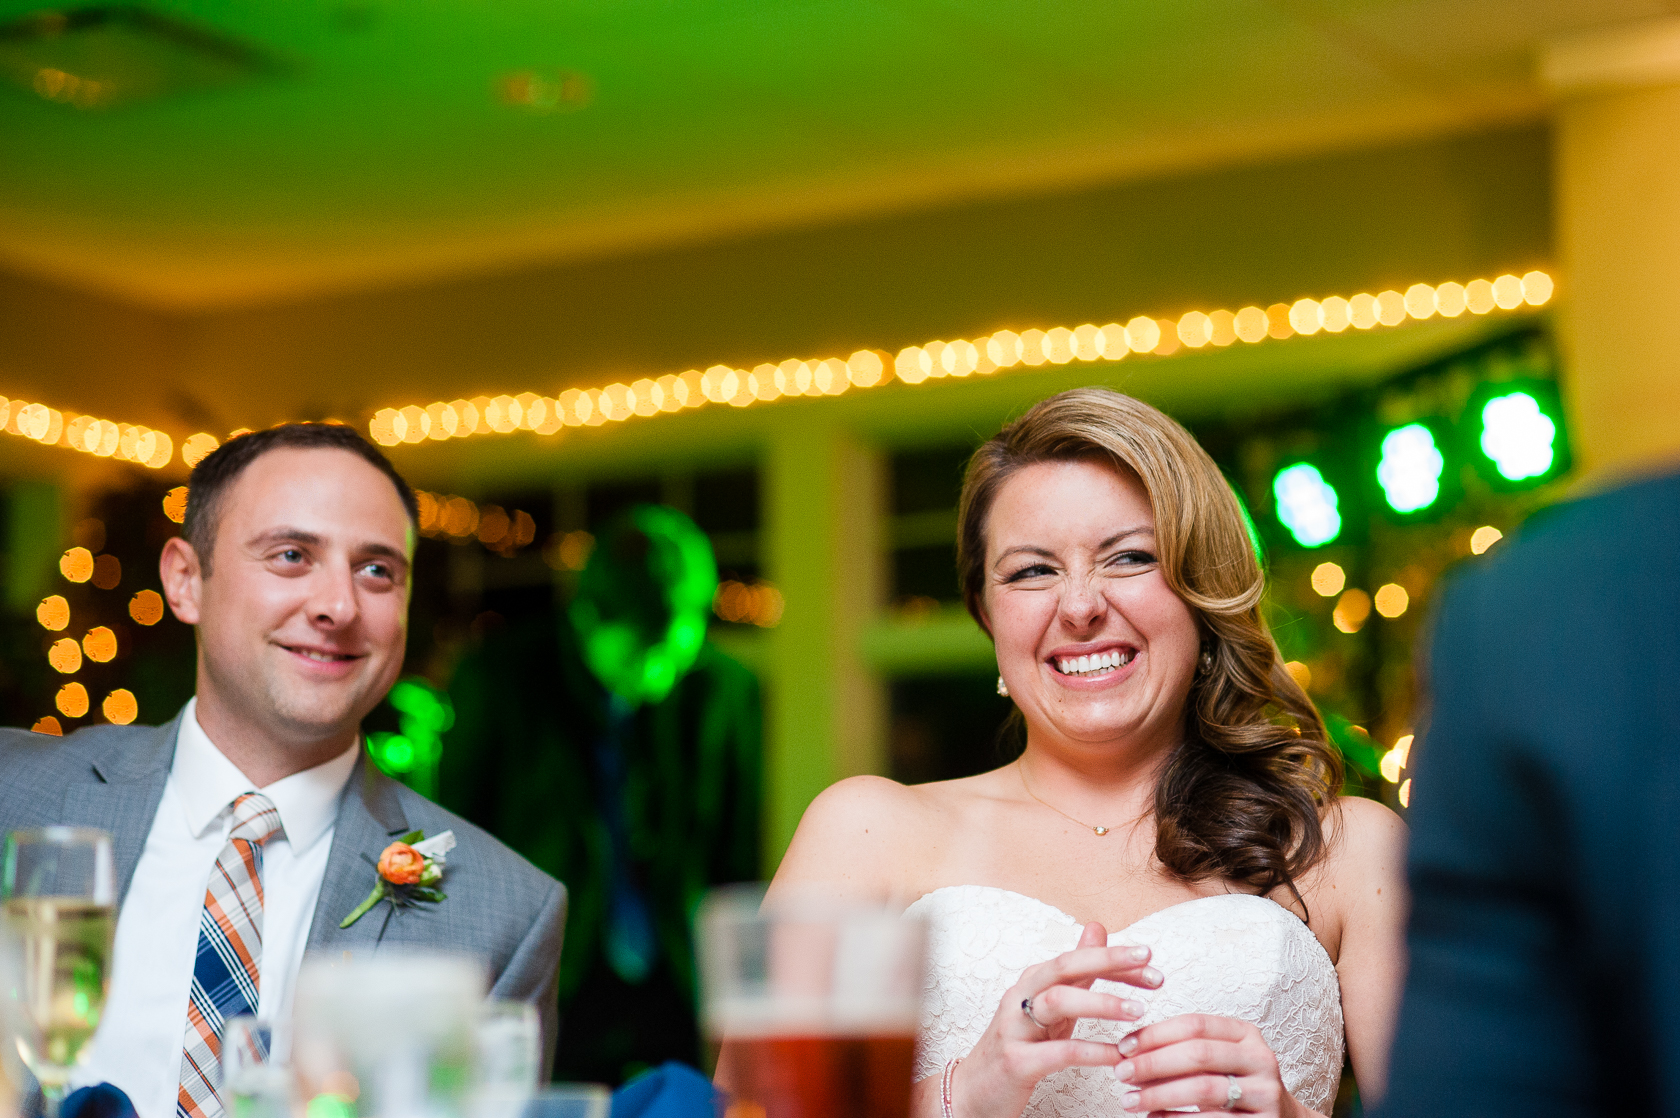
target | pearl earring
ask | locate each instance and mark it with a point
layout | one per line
(1003, 688)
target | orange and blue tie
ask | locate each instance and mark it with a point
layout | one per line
(228, 968)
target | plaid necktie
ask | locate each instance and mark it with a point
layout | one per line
(229, 963)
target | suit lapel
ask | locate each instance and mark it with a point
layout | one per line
(369, 819)
(123, 798)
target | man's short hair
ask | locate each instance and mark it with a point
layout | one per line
(212, 477)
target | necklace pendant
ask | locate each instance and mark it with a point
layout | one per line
(1100, 831)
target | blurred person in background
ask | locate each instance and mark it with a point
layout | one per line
(1544, 936)
(247, 829)
(1176, 786)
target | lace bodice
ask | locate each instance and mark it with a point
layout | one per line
(1230, 954)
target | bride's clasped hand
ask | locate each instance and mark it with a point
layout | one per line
(1031, 1034)
(1172, 782)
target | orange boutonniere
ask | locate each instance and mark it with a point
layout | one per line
(408, 873)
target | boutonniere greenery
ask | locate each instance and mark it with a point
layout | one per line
(407, 874)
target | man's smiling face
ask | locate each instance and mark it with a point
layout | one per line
(303, 619)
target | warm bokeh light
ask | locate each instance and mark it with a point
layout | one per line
(175, 504)
(1483, 538)
(1352, 610)
(574, 550)
(1391, 600)
(65, 656)
(1395, 759)
(1300, 673)
(107, 572)
(1406, 793)
(1449, 300)
(1307, 316)
(71, 700)
(48, 725)
(749, 603)
(146, 607)
(76, 564)
(1328, 579)
(197, 448)
(53, 613)
(100, 644)
(493, 525)
(120, 707)
(462, 520)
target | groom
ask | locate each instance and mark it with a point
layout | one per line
(246, 828)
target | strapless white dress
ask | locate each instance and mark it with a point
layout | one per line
(1230, 954)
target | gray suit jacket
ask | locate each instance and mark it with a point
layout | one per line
(500, 908)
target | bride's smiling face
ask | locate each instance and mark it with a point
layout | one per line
(1094, 645)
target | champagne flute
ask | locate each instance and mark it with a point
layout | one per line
(58, 896)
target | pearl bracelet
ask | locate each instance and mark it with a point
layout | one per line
(945, 1087)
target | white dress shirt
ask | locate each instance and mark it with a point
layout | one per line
(141, 1034)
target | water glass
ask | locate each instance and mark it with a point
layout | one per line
(811, 1006)
(573, 1100)
(391, 1034)
(252, 1087)
(508, 1043)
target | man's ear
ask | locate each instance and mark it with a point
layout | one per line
(183, 579)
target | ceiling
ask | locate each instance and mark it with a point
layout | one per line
(387, 151)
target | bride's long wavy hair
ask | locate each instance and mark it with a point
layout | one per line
(1243, 797)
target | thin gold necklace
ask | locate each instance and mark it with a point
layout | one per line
(1021, 771)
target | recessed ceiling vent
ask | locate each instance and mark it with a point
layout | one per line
(106, 55)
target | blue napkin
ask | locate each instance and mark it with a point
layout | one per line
(671, 1090)
(102, 1100)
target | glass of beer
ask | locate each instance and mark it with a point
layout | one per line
(810, 1006)
(58, 896)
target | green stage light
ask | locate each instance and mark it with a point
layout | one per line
(1307, 505)
(424, 714)
(1518, 437)
(643, 601)
(1411, 467)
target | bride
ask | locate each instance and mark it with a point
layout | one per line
(1162, 903)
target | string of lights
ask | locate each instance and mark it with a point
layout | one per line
(867, 368)
(103, 438)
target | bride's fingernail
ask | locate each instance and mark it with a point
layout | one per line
(1141, 954)
(1152, 976)
(1127, 1045)
(1124, 1071)
(1134, 1009)
(1129, 1100)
